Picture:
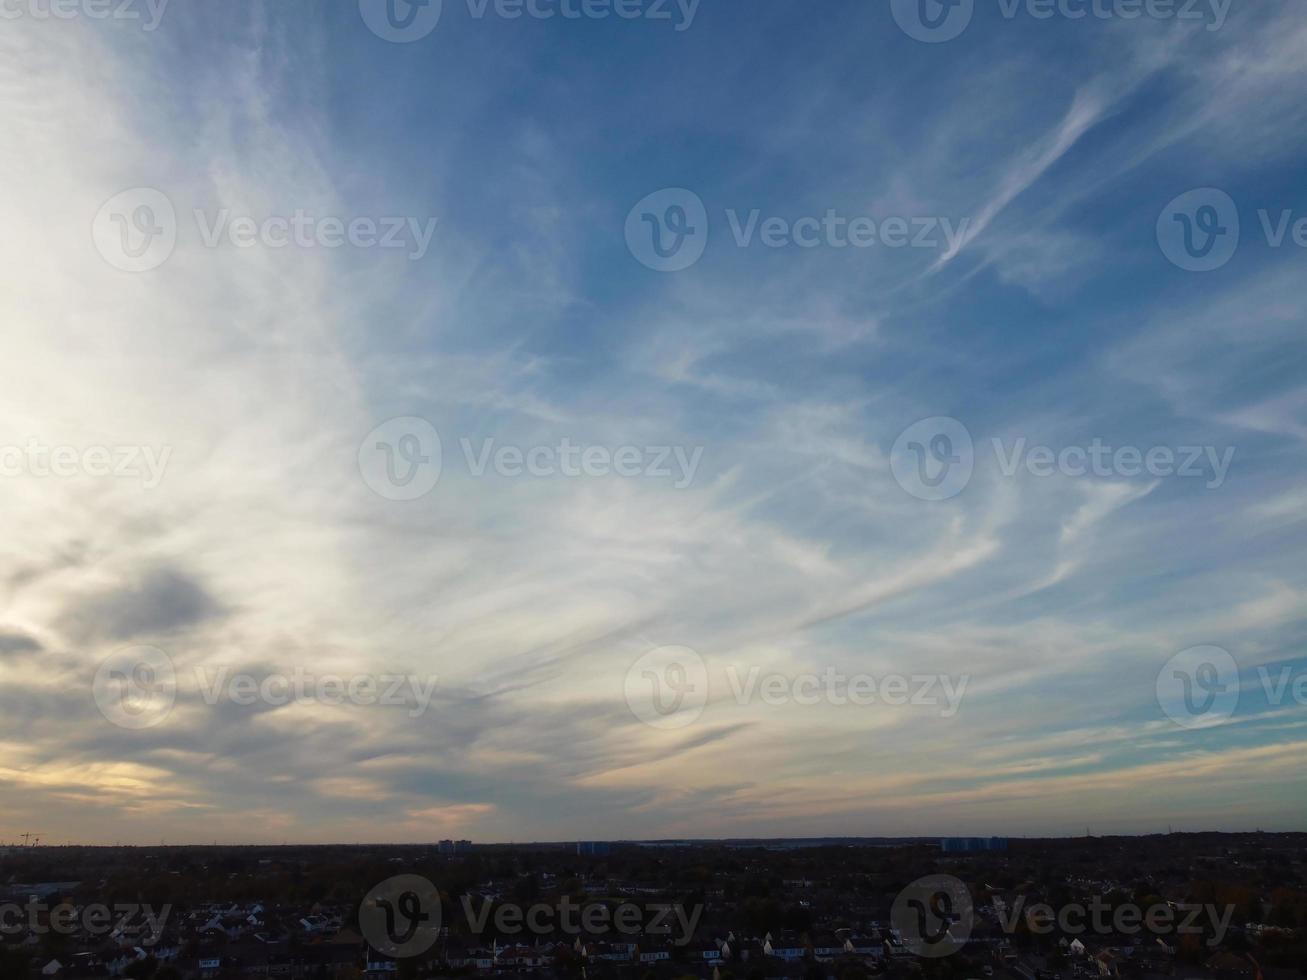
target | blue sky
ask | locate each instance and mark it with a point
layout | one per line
(1059, 316)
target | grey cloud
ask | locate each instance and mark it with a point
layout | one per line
(164, 599)
(18, 643)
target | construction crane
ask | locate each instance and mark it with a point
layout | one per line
(33, 838)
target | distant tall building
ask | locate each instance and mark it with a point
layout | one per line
(963, 845)
(594, 848)
(449, 848)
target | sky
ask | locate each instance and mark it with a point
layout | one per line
(650, 419)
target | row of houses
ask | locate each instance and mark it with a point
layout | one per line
(645, 952)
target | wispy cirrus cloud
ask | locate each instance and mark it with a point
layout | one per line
(794, 549)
